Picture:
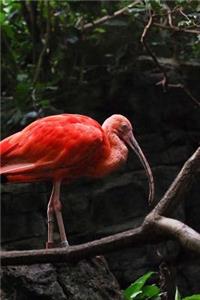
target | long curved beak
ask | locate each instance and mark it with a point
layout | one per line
(131, 141)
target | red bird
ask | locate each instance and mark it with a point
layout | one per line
(66, 147)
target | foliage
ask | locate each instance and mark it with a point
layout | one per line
(140, 290)
(46, 47)
(193, 297)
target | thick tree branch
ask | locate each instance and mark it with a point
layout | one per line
(74, 253)
(187, 236)
(175, 193)
(146, 233)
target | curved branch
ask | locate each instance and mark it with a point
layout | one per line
(146, 233)
(187, 236)
(180, 186)
(75, 253)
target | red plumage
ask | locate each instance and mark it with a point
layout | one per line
(56, 147)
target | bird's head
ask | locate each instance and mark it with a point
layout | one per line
(122, 127)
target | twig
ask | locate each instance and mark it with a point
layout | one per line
(164, 81)
(146, 28)
(108, 17)
(169, 16)
(183, 14)
(117, 13)
(175, 28)
(147, 232)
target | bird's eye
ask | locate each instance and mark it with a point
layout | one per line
(124, 127)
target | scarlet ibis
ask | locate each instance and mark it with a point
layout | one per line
(66, 147)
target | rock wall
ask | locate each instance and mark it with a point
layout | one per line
(89, 280)
(167, 127)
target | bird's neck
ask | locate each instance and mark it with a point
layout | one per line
(117, 155)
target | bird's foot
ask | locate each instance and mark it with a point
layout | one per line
(50, 245)
(64, 244)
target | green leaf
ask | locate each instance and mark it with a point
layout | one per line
(154, 4)
(151, 290)
(177, 294)
(134, 295)
(193, 297)
(2, 18)
(137, 285)
(99, 30)
(8, 30)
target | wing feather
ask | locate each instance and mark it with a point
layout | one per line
(53, 143)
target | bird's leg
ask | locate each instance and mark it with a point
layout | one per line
(63, 237)
(57, 209)
(50, 219)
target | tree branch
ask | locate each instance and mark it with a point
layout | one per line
(164, 81)
(75, 253)
(124, 10)
(180, 186)
(187, 236)
(176, 29)
(147, 232)
(108, 17)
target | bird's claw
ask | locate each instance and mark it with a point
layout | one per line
(50, 245)
(64, 244)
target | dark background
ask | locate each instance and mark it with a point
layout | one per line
(99, 73)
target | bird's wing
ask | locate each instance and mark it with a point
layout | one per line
(62, 141)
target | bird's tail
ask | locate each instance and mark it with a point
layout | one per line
(5, 148)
